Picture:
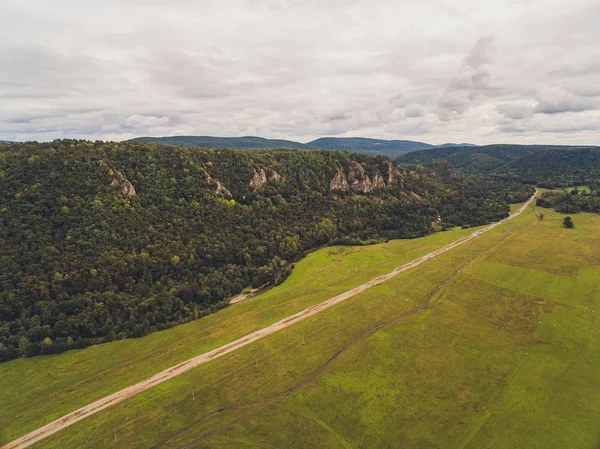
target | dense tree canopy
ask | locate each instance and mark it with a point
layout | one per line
(571, 202)
(104, 241)
(555, 168)
(543, 165)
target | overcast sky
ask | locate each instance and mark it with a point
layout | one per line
(520, 71)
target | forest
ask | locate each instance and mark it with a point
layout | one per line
(480, 160)
(548, 166)
(573, 201)
(555, 168)
(104, 241)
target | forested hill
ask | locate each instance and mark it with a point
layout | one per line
(390, 148)
(553, 168)
(544, 165)
(219, 143)
(482, 159)
(103, 241)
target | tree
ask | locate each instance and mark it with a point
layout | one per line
(23, 345)
(568, 223)
(46, 346)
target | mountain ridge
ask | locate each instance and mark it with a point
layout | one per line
(390, 148)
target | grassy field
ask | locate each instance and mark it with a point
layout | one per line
(503, 356)
(580, 188)
(38, 390)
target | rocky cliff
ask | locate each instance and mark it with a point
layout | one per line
(356, 178)
(259, 178)
(118, 180)
(220, 188)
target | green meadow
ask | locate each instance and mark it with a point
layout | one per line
(580, 188)
(495, 344)
(36, 391)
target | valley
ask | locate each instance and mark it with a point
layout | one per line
(52, 386)
(299, 224)
(176, 370)
(462, 295)
(487, 362)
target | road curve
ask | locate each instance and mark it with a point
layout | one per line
(175, 370)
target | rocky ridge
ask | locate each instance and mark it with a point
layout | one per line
(259, 178)
(118, 180)
(357, 179)
(221, 189)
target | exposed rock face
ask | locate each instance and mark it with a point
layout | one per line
(414, 174)
(259, 179)
(339, 182)
(119, 180)
(394, 175)
(275, 176)
(359, 181)
(415, 196)
(221, 189)
(357, 173)
(378, 182)
(127, 188)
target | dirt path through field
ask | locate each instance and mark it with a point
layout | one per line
(84, 412)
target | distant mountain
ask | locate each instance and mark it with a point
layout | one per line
(367, 146)
(446, 145)
(390, 148)
(238, 143)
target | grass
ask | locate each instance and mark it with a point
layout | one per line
(36, 391)
(580, 188)
(491, 363)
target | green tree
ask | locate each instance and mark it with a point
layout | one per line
(568, 223)
(23, 345)
(46, 345)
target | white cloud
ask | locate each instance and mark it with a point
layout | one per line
(146, 121)
(428, 71)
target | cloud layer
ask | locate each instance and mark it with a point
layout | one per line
(435, 70)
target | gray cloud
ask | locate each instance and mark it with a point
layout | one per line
(472, 80)
(557, 101)
(301, 69)
(515, 111)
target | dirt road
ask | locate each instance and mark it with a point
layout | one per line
(182, 367)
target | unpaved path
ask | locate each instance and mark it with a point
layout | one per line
(182, 367)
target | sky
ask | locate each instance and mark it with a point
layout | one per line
(508, 71)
